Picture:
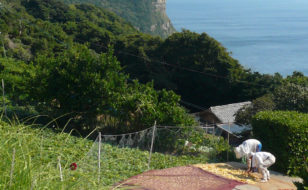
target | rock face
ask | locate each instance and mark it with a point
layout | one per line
(148, 16)
(163, 28)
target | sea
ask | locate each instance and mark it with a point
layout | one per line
(267, 36)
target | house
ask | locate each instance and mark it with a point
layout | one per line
(223, 118)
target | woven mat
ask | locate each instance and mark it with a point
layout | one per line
(178, 178)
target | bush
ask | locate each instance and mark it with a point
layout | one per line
(191, 141)
(285, 134)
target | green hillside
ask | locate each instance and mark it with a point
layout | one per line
(148, 16)
(82, 59)
(38, 151)
(36, 27)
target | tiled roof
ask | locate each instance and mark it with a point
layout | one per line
(226, 113)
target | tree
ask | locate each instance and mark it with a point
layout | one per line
(291, 96)
(90, 85)
(17, 76)
(78, 80)
(245, 114)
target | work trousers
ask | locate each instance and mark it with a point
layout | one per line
(263, 167)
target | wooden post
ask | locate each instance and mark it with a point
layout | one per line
(229, 133)
(99, 156)
(3, 46)
(228, 140)
(3, 95)
(12, 167)
(60, 168)
(152, 142)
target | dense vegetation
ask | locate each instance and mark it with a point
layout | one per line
(285, 134)
(34, 163)
(292, 94)
(145, 15)
(91, 69)
(195, 66)
(59, 59)
(57, 76)
(36, 27)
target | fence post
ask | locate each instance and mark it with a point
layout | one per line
(12, 167)
(99, 156)
(2, 37)
(228, 140)
(152, 142)
(4, 107)
(60, 168)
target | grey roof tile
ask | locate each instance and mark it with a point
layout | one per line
(226, 113)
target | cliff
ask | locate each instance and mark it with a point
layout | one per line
(148, 16)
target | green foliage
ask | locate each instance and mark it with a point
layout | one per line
(49, 27)
(171, 64)
(36, 160)
(191, 141)
(78, 80)
(245, 114)
(291, 96)
(140, 105)
(16, 75)
(297, 78)
(90, 85)
(135, 52)
(285, 134)
(143, 14)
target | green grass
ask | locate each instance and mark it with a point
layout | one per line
(37, 151)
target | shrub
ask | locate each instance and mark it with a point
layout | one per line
(285, 134)
(191, 141)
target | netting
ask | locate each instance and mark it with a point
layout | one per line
(140, 139)
(113, 158)
(110, 155)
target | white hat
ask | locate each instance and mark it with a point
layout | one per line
(238, 152)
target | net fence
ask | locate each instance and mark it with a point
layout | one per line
(113, 158)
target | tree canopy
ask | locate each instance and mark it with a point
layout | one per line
(83, 59)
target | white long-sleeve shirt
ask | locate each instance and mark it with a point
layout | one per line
(260, 157)
(249, 146)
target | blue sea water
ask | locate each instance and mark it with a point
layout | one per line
(267, 36)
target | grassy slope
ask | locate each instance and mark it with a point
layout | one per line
(37, 152)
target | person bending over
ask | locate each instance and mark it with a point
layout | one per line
(261, 161)
(248, 146)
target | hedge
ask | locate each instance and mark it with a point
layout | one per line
(285, 134)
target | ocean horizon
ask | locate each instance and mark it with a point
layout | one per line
(265, 36)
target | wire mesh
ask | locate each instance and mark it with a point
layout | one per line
(103, 161)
